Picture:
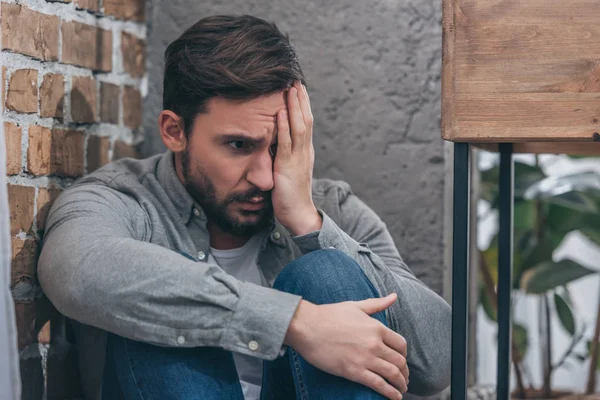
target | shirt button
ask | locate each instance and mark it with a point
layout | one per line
(196, 212)
(276, 235)
(253, 345)
(201, 255)
(180, 339)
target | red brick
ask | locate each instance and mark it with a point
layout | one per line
(132, 107)
(97, 152)
(24, 260)
(125, 9)
(66, 153)
(29, 32)
(25, 316)
(86, 46)
(12, 136)
(45, 198)
(52, 96)
(22, 93)
(134, 51)
(20, 203)
(83, 99)
(124, 150)
(91, 5)
(109, 102)
(38, 152)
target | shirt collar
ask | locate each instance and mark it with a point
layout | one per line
(168, 179)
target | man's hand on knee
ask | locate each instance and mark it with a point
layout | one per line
(342, 339)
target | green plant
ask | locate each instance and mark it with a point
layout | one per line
(546, 209)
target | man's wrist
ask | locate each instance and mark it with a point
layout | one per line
(297, 325)
(313, 221)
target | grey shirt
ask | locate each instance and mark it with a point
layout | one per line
(110, 262)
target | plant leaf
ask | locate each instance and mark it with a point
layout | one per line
(591, 233)
(565, 315)
(575, 200)
(589, 351)
(524, 215)
(562, 220)
(489, 192)
(566, 295)
(525, 176)
(569, 190)
(539, 253)
(520, 338)
(551, 186)
(549, 275)
(491, 260)
(529, 253)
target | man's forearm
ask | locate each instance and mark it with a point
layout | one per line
(420, 315)
(145, 292)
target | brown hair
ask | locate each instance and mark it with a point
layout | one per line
(234, 57)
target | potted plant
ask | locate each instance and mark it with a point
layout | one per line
(546, 209)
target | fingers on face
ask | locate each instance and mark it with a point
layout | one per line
(300, 115)
(296, 118)
(304, 104)
(284, 140)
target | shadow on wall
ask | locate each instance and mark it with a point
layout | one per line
(49, 359)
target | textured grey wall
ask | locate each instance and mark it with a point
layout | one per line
(373, 72)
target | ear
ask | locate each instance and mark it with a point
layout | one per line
(171, 131)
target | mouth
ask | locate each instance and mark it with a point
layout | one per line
(254, 204)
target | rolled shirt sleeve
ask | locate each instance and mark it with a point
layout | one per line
(329, 236)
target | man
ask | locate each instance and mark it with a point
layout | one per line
(221, 269)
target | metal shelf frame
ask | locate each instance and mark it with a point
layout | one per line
(460, 269)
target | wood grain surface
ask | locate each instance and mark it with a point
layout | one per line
(521, 71)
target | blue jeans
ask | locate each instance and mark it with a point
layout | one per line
(136, 370)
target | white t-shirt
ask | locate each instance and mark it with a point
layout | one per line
(241, 263)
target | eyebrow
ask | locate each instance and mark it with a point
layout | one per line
(232, 137)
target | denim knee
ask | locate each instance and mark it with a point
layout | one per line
(325, 276)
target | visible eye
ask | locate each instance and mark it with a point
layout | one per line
(237, 144)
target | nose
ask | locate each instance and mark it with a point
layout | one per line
(260, 173)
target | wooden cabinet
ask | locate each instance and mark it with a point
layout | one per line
(522, 71)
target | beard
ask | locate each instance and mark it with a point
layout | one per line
(204, 193)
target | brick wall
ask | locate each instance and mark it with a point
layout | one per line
(73, 78)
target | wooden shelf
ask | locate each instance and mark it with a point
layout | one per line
(525, 72)
(580, 149)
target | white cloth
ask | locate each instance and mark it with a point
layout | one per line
(241, 263)
(9, 357)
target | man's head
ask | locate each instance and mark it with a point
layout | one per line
(224, 82)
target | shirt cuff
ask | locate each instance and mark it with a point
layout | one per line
(260, 322)
(330, 236)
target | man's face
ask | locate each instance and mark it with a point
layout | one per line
(227, 165)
